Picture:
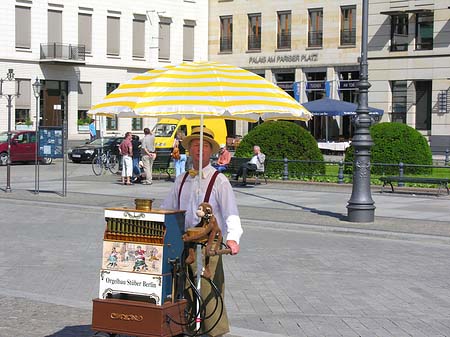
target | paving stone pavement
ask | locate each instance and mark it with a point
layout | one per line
(303, 270)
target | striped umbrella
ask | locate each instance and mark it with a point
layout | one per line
(196, 89)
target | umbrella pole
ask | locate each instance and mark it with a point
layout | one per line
(199, 249)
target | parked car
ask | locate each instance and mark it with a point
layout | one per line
(88, 151)
(23, 147)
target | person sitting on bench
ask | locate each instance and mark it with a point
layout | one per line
(223, 160)
(254, 164)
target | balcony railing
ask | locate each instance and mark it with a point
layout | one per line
(60, 51)
(315, 39)
(348, 37)
(284, 40)
(254, 42)
(226, 44)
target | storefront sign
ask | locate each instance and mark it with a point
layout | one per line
(290, 58)
(348, 84)
(319, 85)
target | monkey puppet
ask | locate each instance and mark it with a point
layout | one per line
(207, 229)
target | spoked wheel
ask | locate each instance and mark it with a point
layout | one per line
(97, 165)
(3, 158)
(113, 164)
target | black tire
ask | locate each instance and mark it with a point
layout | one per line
(113, 164)
(3, 158)
(97, 165)
(46, 161)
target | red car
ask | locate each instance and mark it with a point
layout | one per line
(23, 147)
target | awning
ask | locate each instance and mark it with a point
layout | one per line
(393, 12)
(335, 107)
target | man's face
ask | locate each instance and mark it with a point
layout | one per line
(194, 151)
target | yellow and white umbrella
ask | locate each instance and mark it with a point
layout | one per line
(196, 89)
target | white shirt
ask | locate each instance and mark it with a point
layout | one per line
(222, 200)
(254, 159)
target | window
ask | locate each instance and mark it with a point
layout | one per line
(399, 101)
(254, 31)
(84, 104)
(284, 30)
(424, 31)
(22, 106)
(136, 124)
(348, 25)
(111, 122)
(85, 31)
(399, 32)
(139, 37)
(315, 32)
(54, 28)
(113, 39)
(226, 33)
(23, 27)
(188, 40)
(164, 38)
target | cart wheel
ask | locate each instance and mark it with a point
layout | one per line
(103, 334)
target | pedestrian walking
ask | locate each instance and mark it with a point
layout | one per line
(136, 158)
(148, 155)
(126, 150)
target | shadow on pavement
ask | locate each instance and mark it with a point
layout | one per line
(335, 215)
(74, 331)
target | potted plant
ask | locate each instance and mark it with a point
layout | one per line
(83, 124)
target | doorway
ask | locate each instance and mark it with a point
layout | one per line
(423, 105)
(54, 105)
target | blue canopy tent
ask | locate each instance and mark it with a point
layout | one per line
(333, 107)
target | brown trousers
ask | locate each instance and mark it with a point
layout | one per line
(209, 297)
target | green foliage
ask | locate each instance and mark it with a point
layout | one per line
(84, 121)
(281, 139)
(395, 143)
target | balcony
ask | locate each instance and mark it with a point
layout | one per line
(254, 42)
(284, 40)
(226, 44)
(62, 53)
(348, 37)
(315, 39)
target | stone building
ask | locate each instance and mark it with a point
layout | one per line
(409, 65)
(311, 50)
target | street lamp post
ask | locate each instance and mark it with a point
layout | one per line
(37, 92)
(360, 207)
(9, 77)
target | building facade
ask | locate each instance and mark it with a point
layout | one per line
(81, 50)
(308, 48)
(311, 50)
(409, 65)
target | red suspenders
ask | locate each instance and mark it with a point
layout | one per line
(208, 190)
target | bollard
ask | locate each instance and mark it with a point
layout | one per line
(446, 157)
(341, 172)
(285, 171)
(400, 173)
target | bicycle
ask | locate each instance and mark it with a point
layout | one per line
(104, 161)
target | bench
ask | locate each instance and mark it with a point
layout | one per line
(162, 163)
(236, 163)
(441, 182)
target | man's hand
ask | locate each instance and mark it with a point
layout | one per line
(234, 246)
